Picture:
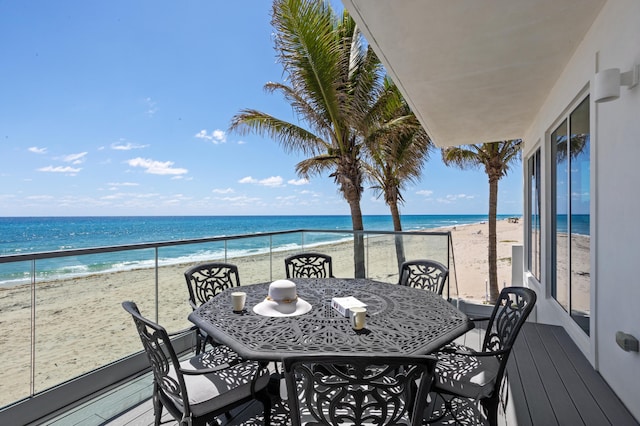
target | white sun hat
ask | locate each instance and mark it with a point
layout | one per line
(282, 301)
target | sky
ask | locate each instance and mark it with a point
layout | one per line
(122, 107)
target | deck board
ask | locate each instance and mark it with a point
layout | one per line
(559, 385)
(583, 400)
(533, 396)
(561, 403)
(604, 397)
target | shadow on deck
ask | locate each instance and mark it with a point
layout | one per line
(550, 382)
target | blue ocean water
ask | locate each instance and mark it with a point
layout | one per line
(19, 235)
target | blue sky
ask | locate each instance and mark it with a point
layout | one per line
(121, 108)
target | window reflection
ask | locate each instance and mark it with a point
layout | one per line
(570, 280)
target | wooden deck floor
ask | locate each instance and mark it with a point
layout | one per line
(550, 383)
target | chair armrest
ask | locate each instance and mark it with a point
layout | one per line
(479, 319)
(205, 370)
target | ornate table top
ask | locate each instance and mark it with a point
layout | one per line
(400, 320)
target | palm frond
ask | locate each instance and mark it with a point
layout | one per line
(292, 137)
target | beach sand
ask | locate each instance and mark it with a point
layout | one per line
(80, 324)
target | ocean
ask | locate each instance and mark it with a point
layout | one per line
(20, 235)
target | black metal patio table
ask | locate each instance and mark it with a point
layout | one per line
(400, 320)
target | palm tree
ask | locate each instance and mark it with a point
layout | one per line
(397, 148)
(332, 81)
(496, 158)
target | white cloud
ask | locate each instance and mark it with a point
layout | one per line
(37, 150)
(248, 179)
(75, 158)
(60, 169)
(216, 137)
(241, 143)
(121, 146)
(156, 167)
(425, 192)
(223, 191)
(298, 182)
(450, 198)
(272, 181)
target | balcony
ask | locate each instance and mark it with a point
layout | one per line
(71, 355)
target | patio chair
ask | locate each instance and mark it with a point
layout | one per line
(308, 265)
(425, 274)
(357, 390)
(197, 390)
(205, 281)
(464, 376)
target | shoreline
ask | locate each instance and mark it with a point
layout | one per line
(169, 262)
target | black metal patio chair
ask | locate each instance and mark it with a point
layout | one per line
(358, 390)
(308, 265)
(205, 281)
(465, 376)
(425, 274)
(197, 390)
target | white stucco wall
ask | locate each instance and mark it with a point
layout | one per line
(612, 42)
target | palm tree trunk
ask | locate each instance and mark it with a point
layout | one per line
(358, 238)
(493, 251)
(397, 227)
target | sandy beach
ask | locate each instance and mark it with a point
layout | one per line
(80, 325)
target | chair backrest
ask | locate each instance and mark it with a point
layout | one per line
(206, 280)
(425, 274)
(308, 265)
(510, 312)
(162, 357)
(355, 390)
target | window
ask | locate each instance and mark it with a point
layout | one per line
(571, 269)
(533, 223)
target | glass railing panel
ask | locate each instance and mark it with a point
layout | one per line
(337, 245)
(284, 245)
(432, 247)
(386, 252)
(253, 258)
(173, 294)
(79, 323)
(428, 246)
(382, 264)
(15, 331)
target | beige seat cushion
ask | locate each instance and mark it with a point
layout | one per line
(466, 375)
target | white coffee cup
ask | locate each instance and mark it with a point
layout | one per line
(358, 317)
(238, 298)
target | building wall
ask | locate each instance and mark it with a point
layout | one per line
(612, 42)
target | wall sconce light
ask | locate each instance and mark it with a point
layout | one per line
(606, 85)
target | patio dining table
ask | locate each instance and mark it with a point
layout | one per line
(400, 320)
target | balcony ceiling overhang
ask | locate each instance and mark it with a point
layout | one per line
(474, 71)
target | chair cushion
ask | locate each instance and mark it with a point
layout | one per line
(466, 375)
(204, 387)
